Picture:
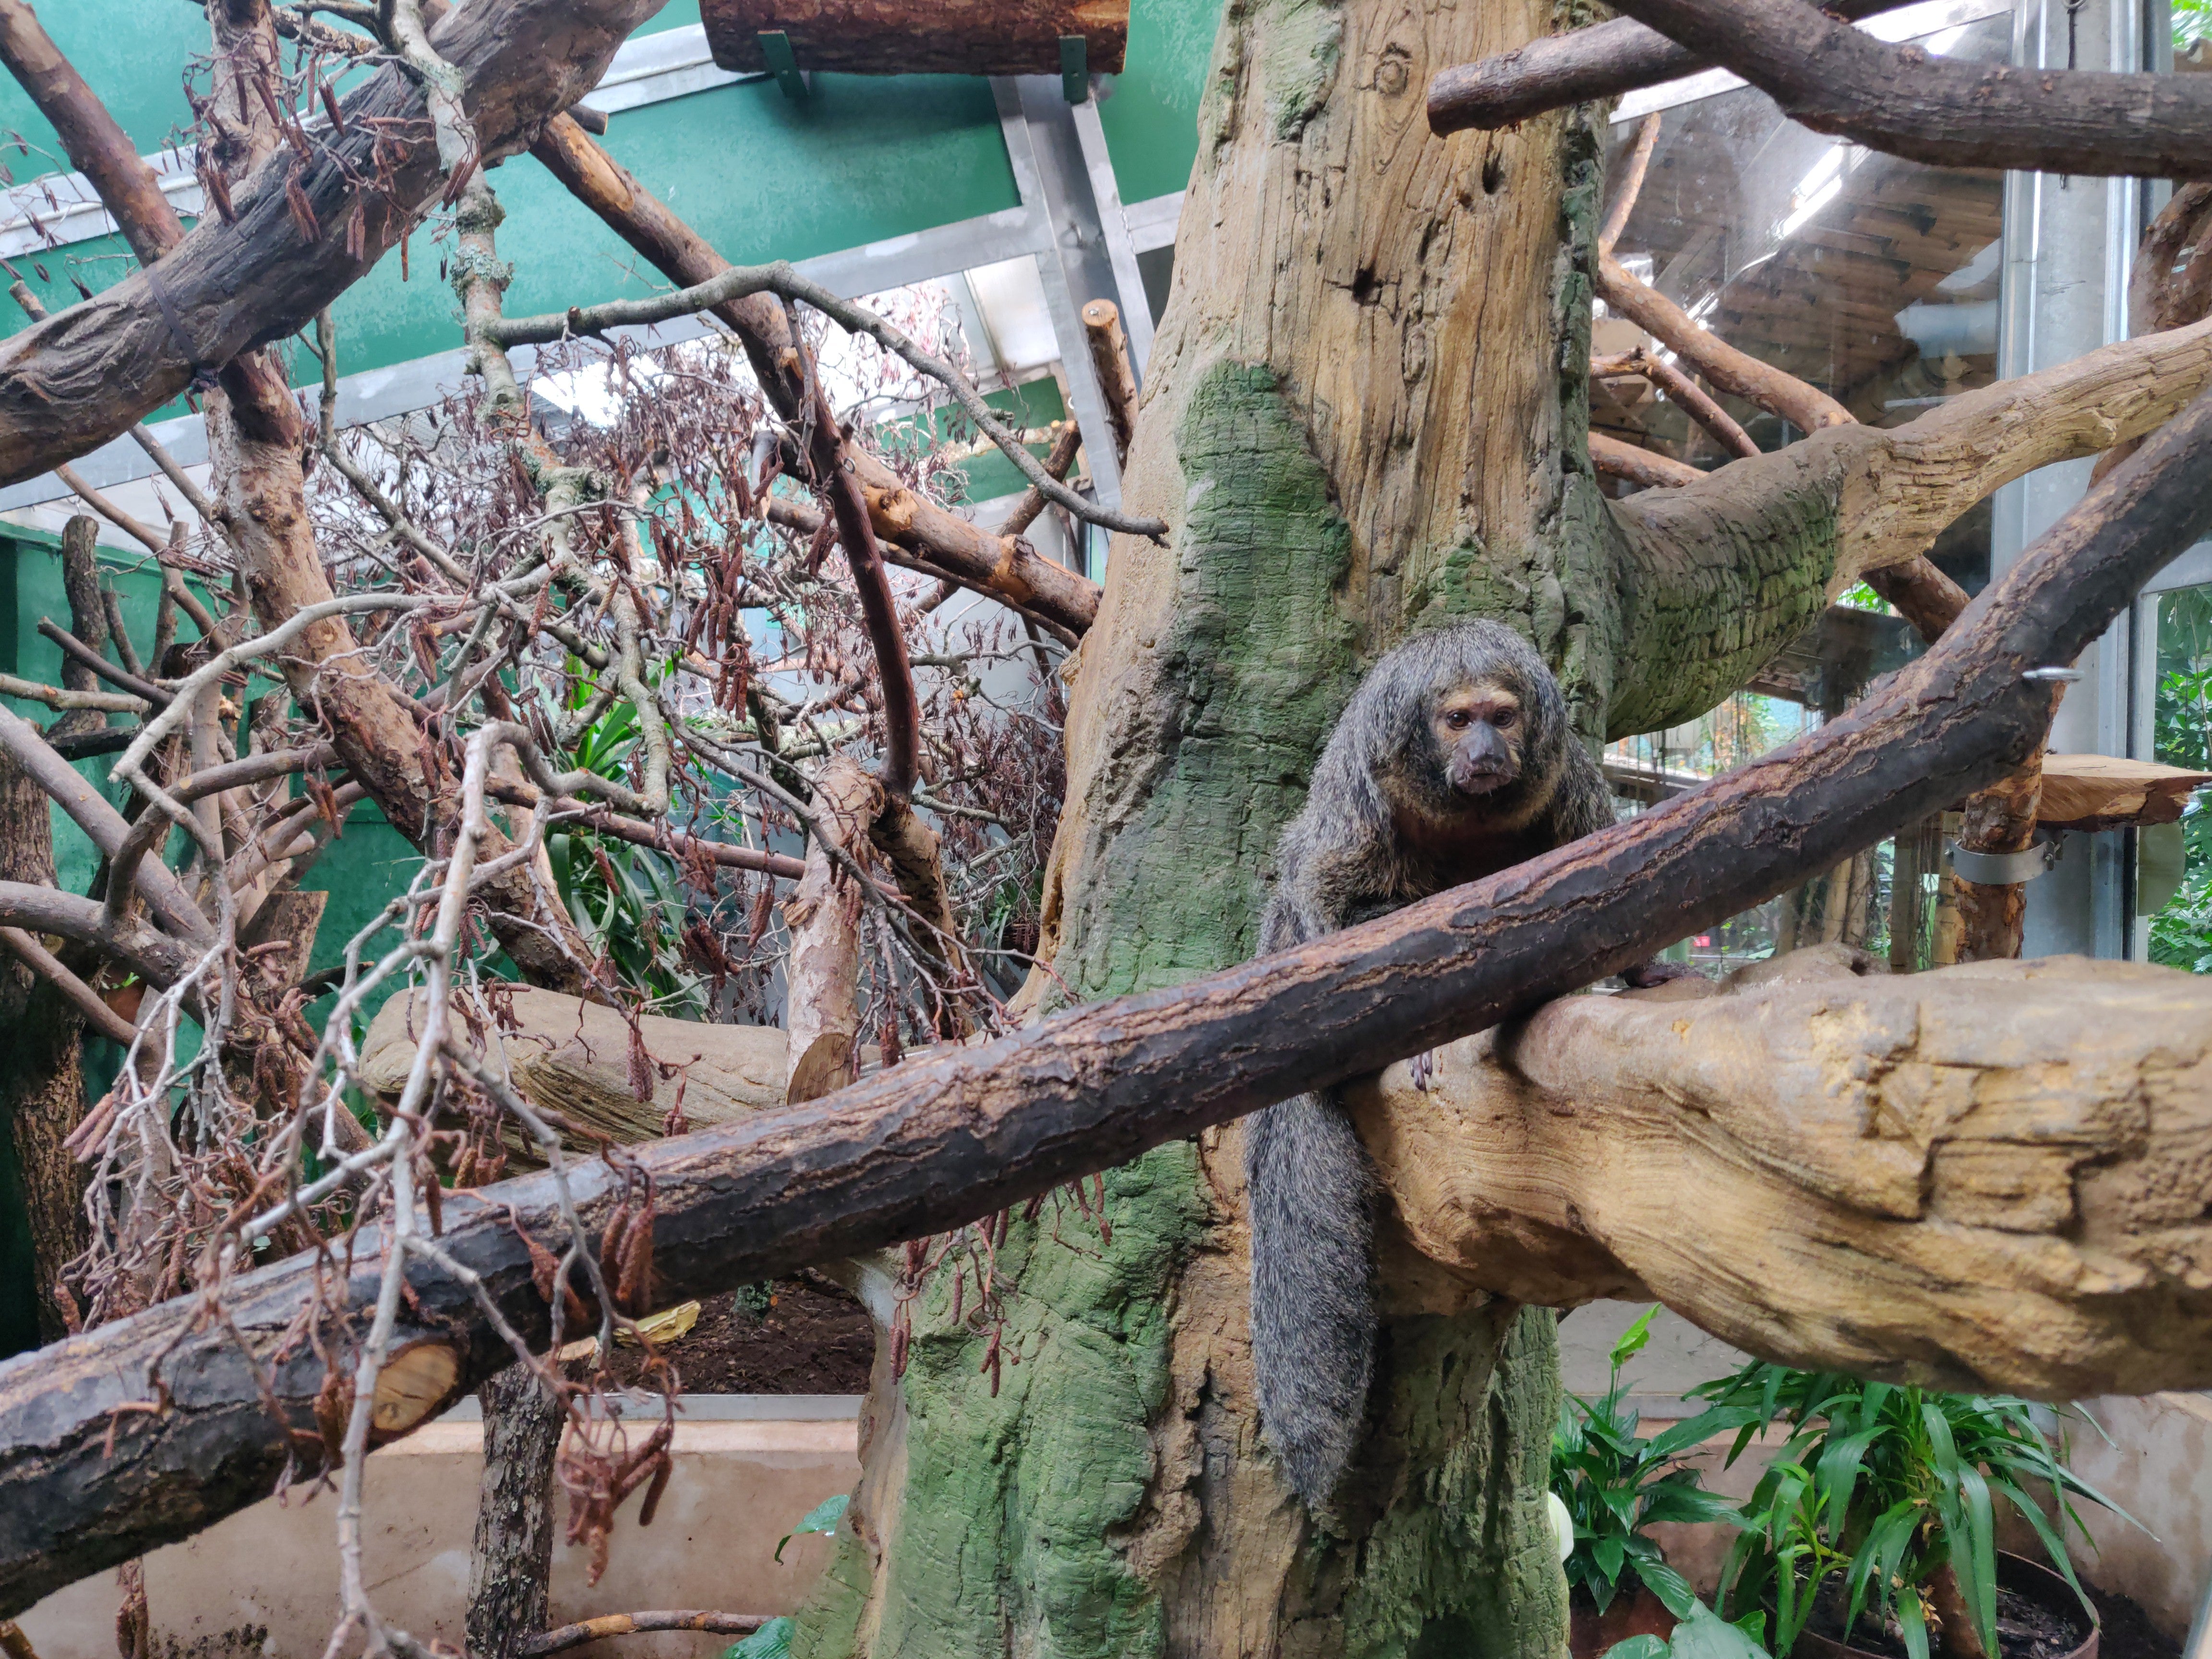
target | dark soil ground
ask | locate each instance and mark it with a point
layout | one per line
(2026, 1630)
(788, 1337)
(2129, 1632)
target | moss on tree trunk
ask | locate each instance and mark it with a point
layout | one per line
(1366, 411)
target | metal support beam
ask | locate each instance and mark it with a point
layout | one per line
(2068, 245)
(1045, 153)
(1121, 244)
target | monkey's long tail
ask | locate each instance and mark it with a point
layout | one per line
(1312, 1299)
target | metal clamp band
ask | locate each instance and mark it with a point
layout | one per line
(2002, 869)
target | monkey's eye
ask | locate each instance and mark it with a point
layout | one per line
(1504, 717)
(1459, 720)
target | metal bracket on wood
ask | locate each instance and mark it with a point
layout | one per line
(2003, 869)
(776, 49)
(1074, 67)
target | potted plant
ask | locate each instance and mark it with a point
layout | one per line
(1614, 1484)
(1874, 1530)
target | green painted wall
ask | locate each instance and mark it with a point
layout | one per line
(1151, 117)
(361, 871)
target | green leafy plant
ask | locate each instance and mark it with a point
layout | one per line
(2192, 21)
(1702, 1634)
(1615, 1483)
(2181, 932)
(822, 1518)
(626, 900)
(1885, 1499)
(771, 1641)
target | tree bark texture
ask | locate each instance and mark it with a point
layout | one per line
(41, 1070)
(513, 1559)
(822, 975)
(1582, 66)
(1906, 100)
(1357, 324)
(573, 1058)
(1981, 1178)
(84, 375)
(919, 37)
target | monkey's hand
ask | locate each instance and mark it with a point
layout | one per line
(1646, 975)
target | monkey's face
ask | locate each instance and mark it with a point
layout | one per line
(1478, 731)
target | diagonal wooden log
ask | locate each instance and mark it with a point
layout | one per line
(85, 375)
(1986, 1178)
(89, 1476)
(1582, 66)
(1906, 100)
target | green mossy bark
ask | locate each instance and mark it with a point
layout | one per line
(1007, 1535)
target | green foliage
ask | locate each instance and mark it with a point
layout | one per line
(2192, 21)
(1615, 1483)
(626, 900)
(2181, 933)
(1879, 1489)
(1861, 596)
(771, 1641)
(822, 1518)
(1702, 1634)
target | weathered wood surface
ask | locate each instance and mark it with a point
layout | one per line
(573, 1057)
(2102, 792)
(1897, 488)
(84, 375)
(920, 37)
(1581, 66)
(87, 1481)
(822, 974)
(1906, 100)
(1989, 1177)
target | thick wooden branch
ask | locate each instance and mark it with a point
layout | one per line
(1616, 457)
(822, 974)
(1907, 101)
(86, 375)
(1808, 407)
(572, 1058)
(1895, 490)
(912, 532)
(919, 37)
(1985, 1178)
(97, 146)
(1682, 390)
(1579, 67)
(86, 1480)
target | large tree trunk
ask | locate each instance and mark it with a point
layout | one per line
(1356, 423)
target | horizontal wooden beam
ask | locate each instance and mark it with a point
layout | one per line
(919, 37)
(2103, 792)
(1985, 1178)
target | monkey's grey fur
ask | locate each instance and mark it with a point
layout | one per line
(1382, 826)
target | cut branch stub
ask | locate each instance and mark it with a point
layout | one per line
(1981, 1178)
